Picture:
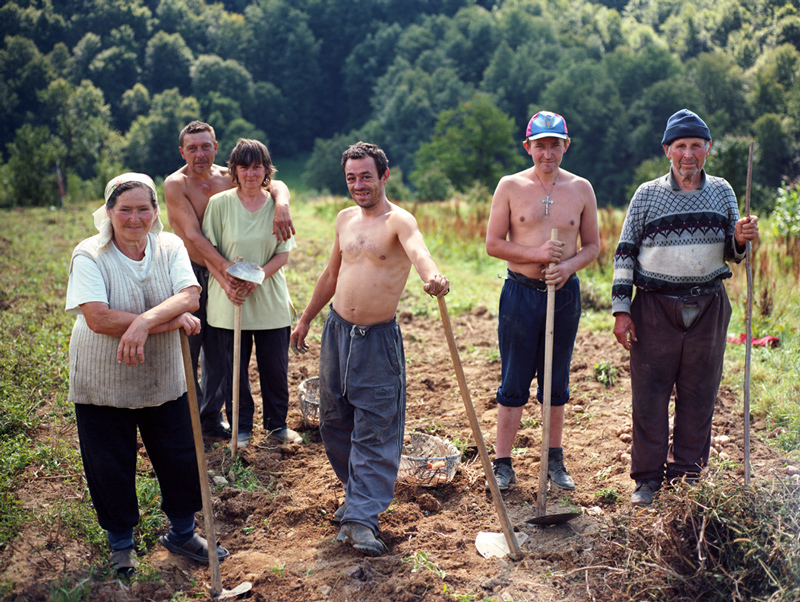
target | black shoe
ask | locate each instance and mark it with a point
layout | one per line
(558, 473)
(218, 431)
(645, 492)
(504, 475)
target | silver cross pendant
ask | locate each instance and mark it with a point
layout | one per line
(547, 202)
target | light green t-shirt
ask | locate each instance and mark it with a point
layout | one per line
(235, 232)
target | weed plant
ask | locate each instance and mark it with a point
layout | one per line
(721, 541)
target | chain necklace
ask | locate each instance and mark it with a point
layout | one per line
(547, 202)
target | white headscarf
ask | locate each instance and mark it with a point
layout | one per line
(101, 220)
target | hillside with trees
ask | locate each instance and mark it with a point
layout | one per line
(91, 87)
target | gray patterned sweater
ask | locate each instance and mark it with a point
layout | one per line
(675, 239)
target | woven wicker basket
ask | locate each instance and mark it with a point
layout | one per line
(427, 460)
(308, 392)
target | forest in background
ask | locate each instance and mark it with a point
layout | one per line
(89, 88)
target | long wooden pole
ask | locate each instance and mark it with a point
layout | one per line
(202, 468)
(541, 499)
(749, 325)
(237, 360)
(499, 506)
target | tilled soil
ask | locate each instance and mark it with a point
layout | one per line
(281, 537)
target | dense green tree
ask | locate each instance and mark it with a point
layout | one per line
(151, 145)
(274, 114)
(472, 143)
(23, 72)
(32, 166)
(82, 124)
(130, 16)
(600, 150)
(61, 60)
(406, 102)
(135, 102)
(179, 16)
(114, 70)
(289, 58)
(230, 133)
(210, 74)
(368, 60)
(471, 31)
(720, 86)
(729, 156)
(300, 70)
(775, 158)
(167, 63)
(84, 53)
(228, 34)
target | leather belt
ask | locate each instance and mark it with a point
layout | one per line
(534, 283)
(695, 291)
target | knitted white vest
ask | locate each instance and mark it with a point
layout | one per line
(95, 377)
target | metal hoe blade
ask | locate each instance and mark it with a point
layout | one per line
(553, 519)
(248, 271)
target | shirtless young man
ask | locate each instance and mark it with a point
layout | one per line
(186, 193)
(362, 366)
(526, 206)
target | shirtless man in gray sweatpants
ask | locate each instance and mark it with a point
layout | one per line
(362, 367)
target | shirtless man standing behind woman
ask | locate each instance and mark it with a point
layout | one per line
(186, 193)
(362, 366)
(525, 208)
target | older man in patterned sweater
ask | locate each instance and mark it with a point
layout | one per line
(679, 232)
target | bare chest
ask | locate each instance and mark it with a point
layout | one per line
(532, 208)
(365, 246)
(199, 194)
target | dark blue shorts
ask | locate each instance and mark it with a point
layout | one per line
(521, 332)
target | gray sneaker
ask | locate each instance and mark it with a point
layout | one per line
(645, 492)
(558, 473)
(504, 475)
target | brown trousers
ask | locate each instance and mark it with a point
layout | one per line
(671, 356)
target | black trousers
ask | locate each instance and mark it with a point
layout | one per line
(272, 358)
(108, 445)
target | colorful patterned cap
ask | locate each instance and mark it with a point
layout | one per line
(546, 125)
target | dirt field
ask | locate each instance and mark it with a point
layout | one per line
(282, 540)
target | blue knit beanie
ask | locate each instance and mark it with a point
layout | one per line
(685, 124)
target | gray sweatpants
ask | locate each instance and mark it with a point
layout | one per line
(362, 407)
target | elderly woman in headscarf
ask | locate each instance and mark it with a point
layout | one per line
(132, 288)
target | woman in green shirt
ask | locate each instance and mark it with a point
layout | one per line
(238, 222)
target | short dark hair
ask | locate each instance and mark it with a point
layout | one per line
(196, 127)
(250, 152)
(361, 150)
(124, 187)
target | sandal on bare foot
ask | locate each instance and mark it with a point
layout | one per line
(195, 547)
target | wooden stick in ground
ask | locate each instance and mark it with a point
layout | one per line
(541, 500)
(497, 499)
(202, 469)
(749, 328)
(237, 360)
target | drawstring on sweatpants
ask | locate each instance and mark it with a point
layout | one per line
(353, 330)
